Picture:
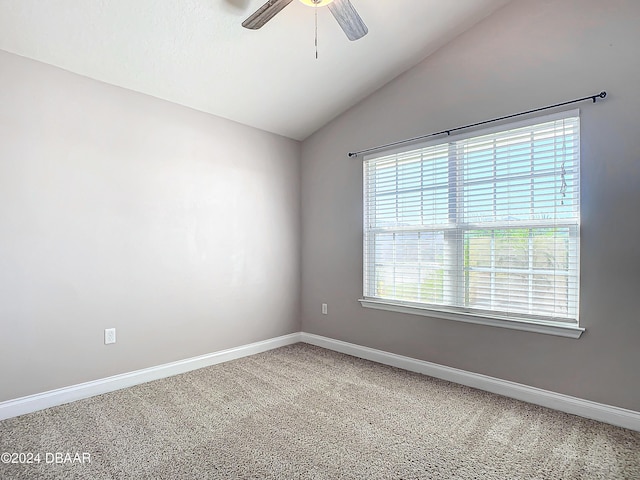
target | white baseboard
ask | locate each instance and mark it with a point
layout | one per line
(597, 411)
(52, 398)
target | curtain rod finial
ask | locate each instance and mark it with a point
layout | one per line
(602, 94)
(351, 154)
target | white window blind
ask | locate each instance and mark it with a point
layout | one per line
(487, 225)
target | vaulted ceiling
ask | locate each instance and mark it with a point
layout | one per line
(195, 52)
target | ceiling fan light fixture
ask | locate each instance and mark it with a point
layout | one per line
(316, 3)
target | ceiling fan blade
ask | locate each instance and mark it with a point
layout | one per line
(348, 19)
(265, 13)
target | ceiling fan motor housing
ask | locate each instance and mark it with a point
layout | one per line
(316, 3)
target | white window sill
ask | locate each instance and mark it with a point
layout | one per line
(547, 328)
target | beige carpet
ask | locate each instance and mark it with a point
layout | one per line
(302, 412)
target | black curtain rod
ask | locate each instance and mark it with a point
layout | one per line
(448, 132)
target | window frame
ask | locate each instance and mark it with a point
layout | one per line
(524, 322)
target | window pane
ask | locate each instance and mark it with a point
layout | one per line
(551, 249)
(551, 294)
(523, 270)
(410, 266)
(511, 292)
(512, 248)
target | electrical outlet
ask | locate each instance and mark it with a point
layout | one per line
(109, 336)
(324, 308)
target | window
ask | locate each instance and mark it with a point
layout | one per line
(482, 228)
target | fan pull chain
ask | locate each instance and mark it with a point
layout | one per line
(316, 41)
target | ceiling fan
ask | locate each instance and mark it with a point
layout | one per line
(342, 10)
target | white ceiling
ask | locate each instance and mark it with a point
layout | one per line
(195, 52)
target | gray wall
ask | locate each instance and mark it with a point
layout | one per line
(180, 229)
(528, 54)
